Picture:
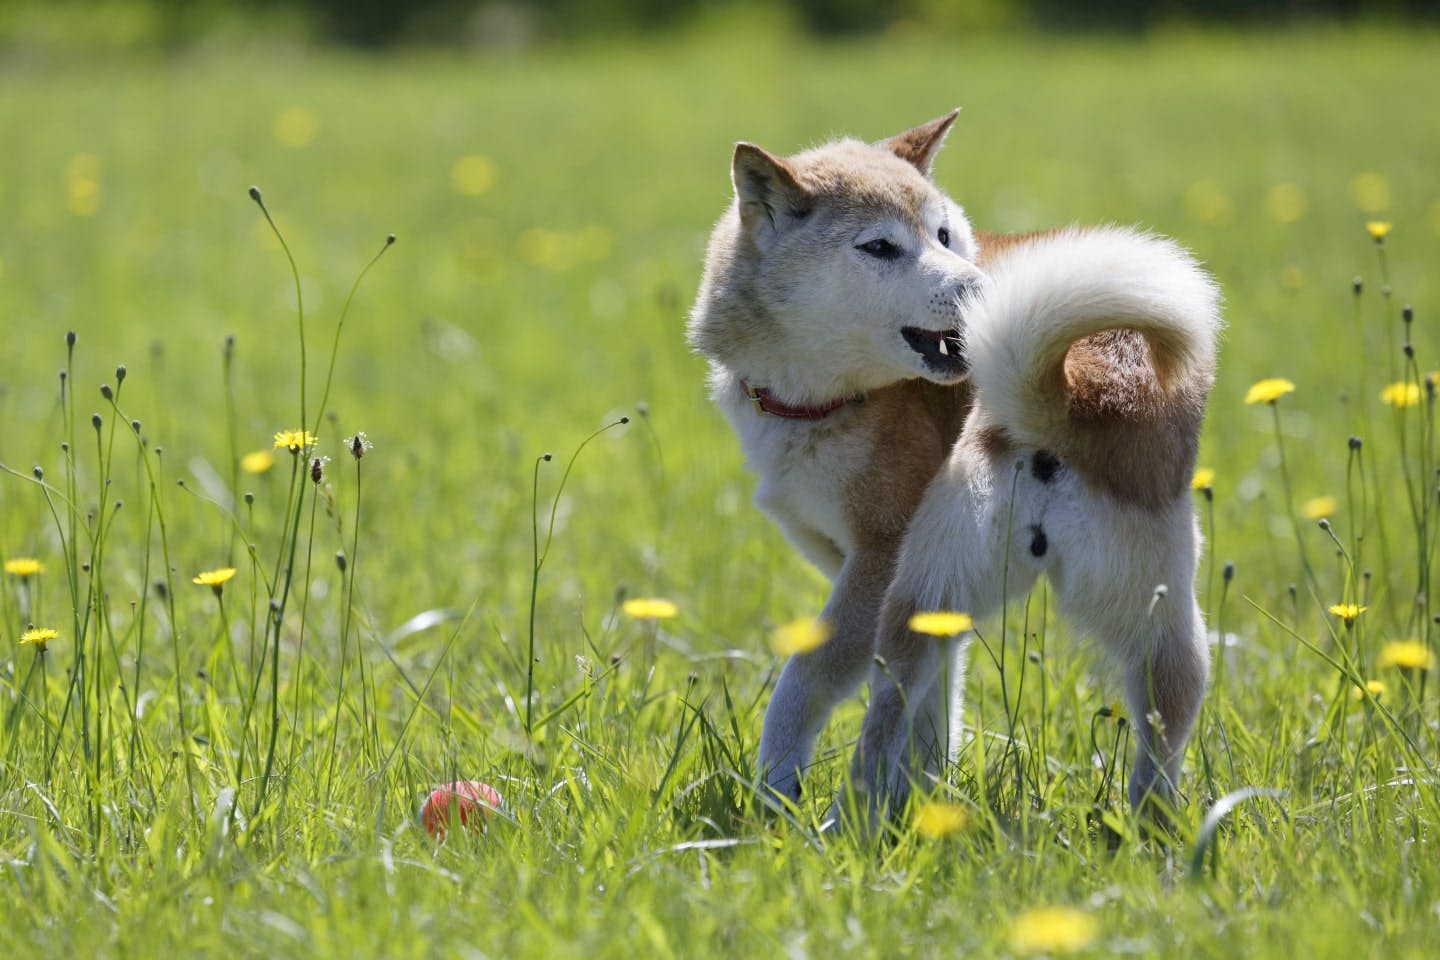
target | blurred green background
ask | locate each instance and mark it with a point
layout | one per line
(552, 200)
(552, 171)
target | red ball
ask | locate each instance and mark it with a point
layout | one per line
(473, 803)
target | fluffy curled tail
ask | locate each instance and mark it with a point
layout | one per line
(1049, 292)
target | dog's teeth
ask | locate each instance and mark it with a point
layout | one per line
(944, 350)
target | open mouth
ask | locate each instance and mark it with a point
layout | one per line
(943, 350)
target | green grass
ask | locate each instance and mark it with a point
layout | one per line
(519, 321)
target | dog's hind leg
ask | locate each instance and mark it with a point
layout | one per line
(1133, 586)
(1164, 686)
(811, 684)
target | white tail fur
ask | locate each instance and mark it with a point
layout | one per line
(1044, 295)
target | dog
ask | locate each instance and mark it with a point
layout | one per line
(1092, 354)
(829, 309)
(833, 309)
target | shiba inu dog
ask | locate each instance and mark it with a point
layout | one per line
(835, 311)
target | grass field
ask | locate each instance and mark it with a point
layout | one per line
(183, 772)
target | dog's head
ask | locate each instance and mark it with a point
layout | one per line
(840, 269)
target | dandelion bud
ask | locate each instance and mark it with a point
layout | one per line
(95, 420)
(1227, 572)
(1355, 443)
(340, 560)
(70, 338)
(1358, 285)
(120, 372)
(106, 392)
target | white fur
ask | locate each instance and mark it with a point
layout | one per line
(1054, 290)
(1123, 571)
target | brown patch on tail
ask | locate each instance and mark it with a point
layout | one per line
(1132, 435)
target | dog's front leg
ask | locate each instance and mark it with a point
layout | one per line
(811, 684)
(891, 749)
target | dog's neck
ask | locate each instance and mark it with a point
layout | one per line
(768, 403)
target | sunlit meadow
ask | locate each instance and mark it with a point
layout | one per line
(298, 523)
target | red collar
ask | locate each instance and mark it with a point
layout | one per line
(767, 402)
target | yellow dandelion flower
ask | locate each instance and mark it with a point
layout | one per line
(473, 175)
(1053, 930)
(24, 567)
(257, 461)
(215, 579)
(936, 820)
(1373, 688)
(296, 126)
(1378, 229)
(39, 636)
(83, 190)
(1317, 507)
(1207, 201)
(649, 608)
(1286, 203)
(1370, 191)
(1204, 477)
(1269, 390)
(800, 636)
(295, 440)
(940, 623)
(1401, 394)
(1407, 655)
(1348, 611)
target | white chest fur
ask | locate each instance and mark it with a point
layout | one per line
(804, 468)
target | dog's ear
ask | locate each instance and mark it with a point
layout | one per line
(919, 146)
(766, 187)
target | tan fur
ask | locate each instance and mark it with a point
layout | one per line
(798, 298)
(1075, 463)
(842, 487)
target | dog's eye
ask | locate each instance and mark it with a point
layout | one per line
(881, 248)
(944, 236)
